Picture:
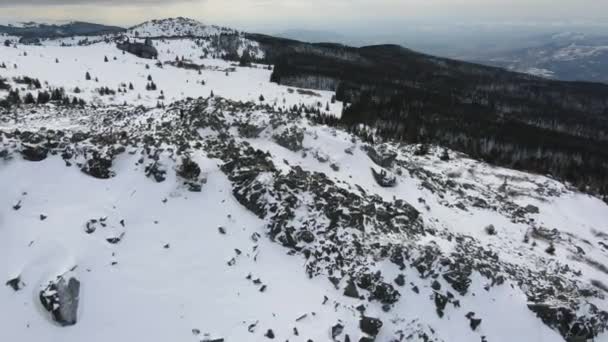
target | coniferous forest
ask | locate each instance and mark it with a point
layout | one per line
(505, 118)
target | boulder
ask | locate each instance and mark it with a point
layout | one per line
(34, 153)
(370, 325)
(384, 179)
(60, 298)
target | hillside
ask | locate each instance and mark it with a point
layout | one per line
(507, 118)
(223, 191)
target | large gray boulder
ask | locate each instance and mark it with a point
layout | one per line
(60, 298)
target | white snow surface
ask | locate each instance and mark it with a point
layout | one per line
(170, 278)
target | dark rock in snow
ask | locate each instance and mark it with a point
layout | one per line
(291, 138)
(531, 209)
(336, 330)
(269, 334)
(98, 167)
(384, 179)
(34, 153)
(60, 298)
(370, 325)
(306, 236)
(155, 171)
(351, 290)
(385, 160)
(15, 283)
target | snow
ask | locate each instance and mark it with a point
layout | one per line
(173, 276)
(176, 83)
(177, 27)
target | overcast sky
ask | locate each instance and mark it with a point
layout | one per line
(312, 14)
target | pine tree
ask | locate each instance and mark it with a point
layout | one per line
(105, 59)
(87, 76)
(43, 97)
(262, 98)
(130, 86)
(29, 99)
(149, 77)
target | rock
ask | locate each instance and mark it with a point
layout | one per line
(60, 298)
(384, 179)
(336, 330)
(475, 322)
(531, 209)
(351, 290)
(306, 236)
(269, 334)
(436, 286)
(370, 325)
(385, 160)
(34, 153)
(155, 171)
(421, 150)
(16, 284)
(98, 167)
(290, 138)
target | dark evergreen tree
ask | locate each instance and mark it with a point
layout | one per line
(29, 99)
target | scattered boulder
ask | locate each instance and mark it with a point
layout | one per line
(384, 160)
(156, 171)
(531, 209)
(351, 290)
(34, 153)
(370, 325)
(16, 284)
(98, 166)
(60, 298)
(336, 330)
(269, 334)
(384, 179)
(290, 138)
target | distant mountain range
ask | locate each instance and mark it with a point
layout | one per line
(74, 28)
(566, 56)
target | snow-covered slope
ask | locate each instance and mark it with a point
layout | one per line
(236, 218)
(58, 66)
(289, 219)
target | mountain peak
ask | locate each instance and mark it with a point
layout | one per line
(177, 27)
